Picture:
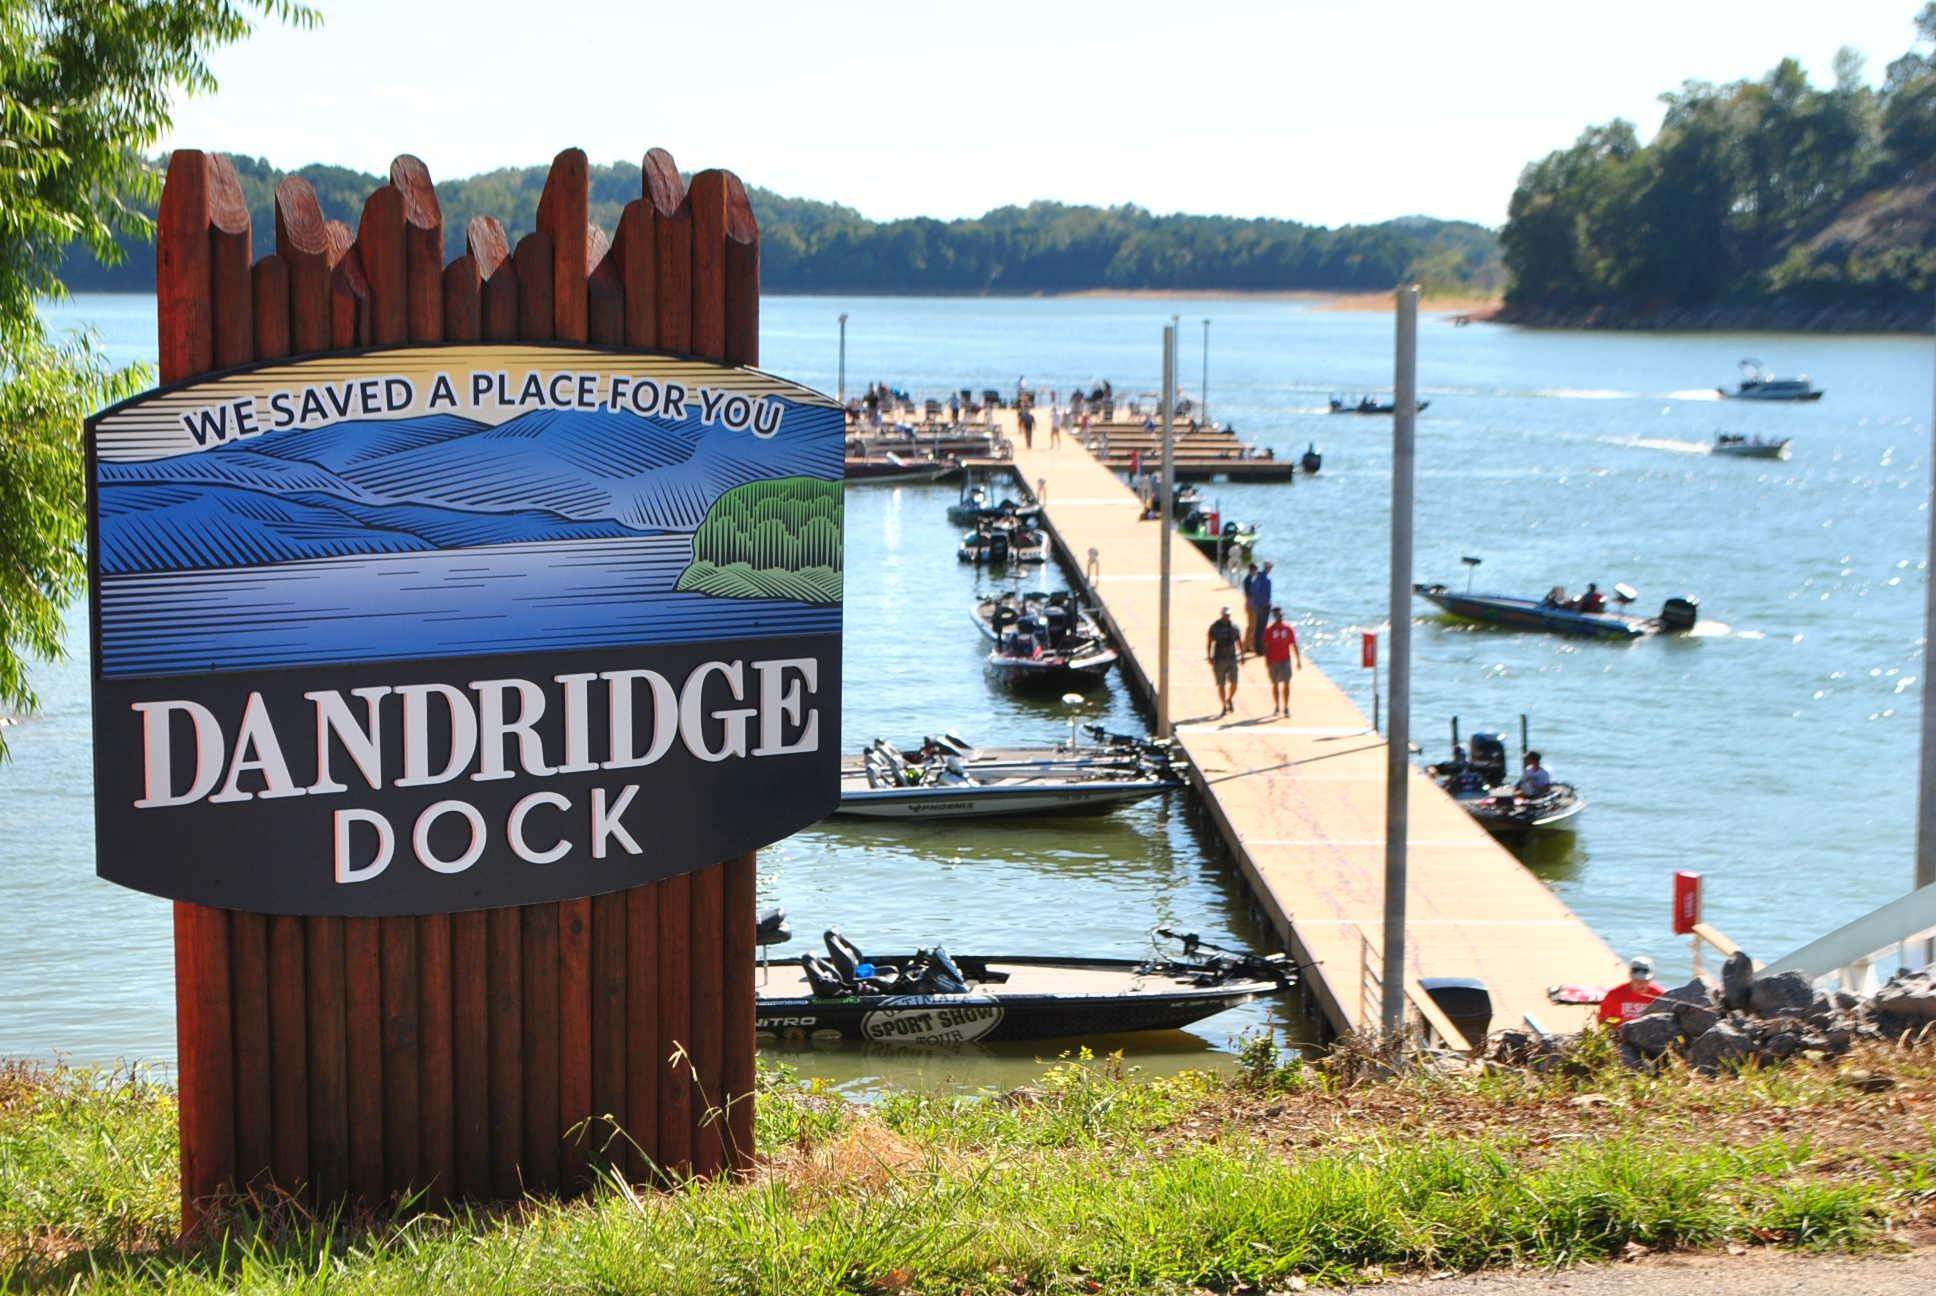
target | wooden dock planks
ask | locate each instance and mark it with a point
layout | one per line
(1300, 802)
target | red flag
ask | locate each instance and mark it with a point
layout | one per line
(1371, 650)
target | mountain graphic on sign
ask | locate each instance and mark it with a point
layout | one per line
(433, 482)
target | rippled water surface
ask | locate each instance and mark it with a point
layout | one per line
(1776, 754)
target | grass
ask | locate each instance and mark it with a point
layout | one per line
(1092, 1179)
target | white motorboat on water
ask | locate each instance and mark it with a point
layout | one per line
(947, 777)
(1735, 446)
(1760, 385)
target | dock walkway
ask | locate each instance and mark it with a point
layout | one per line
(1300, 802)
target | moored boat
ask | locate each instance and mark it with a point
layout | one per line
(929, 997)
(1734, 445)
(894, 469)
(1003, 541)
(1311, 460)
(1757, 384)
(1553, 615)
(1220, 541)
(1060, 611)
(1042, 651)
(947, 778)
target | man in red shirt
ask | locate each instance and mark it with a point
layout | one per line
(1623, 1003)
(1280, 642)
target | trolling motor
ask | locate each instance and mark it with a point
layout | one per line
(1204, 964)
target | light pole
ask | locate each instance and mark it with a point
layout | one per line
(1203, 390)
(1165, 527)
(1398, 728)
(1926, 783)
(843, 360)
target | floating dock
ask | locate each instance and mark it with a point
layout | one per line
(1299, 802)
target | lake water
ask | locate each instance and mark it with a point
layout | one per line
(1778, 758)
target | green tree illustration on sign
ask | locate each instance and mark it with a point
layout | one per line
(777, 539)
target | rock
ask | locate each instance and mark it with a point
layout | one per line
(1911, 996)
(1737, 981)
(1723, 1045)
(1652, 1034)
(1782, 995)
(1590, 1100)
(1695, 1020)
(1696, 991)
(1868, 1081)
(1779, 1046)
(1845, 1002)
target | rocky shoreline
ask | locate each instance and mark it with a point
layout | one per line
(1764, 317)
(1749, 1018)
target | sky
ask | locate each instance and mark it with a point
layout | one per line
(1324, 111)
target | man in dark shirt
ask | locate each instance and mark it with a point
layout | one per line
(1221, 651)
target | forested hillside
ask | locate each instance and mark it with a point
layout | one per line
(818, 247)
(1760, 203)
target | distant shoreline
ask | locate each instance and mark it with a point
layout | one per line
(1764, 317)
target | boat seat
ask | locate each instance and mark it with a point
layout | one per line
(772, 929)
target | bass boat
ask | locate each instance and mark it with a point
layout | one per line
(930, 997)
(1059, 611)
(1221, 542)
(1003, 541)
(1735, 446)
(1367, 405)
(948, 778)
(892, 469)
(1555, 614)
(1050, 650)
(1311, 460)
(1475, 777)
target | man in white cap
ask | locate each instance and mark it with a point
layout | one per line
(1623, 1003)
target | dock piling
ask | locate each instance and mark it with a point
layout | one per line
(1166, 525)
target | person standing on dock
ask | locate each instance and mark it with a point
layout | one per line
(1280, 642)
(1257, 605)
(1221, 651)
(1055, 426)
(1027, 421)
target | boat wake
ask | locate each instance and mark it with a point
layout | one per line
(1585, 393)
(1717, 630)
(1660, 443)
(1695, 394)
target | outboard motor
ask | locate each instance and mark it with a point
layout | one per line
(1488, 757)
(1465, 1001)
(1680, 613)
(998, 547)
(1230, 528)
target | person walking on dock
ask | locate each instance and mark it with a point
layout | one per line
(1055, 426)
(1280, 642)
(1221, 651)
(1027, 422)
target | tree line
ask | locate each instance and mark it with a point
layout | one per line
(1753, 191)
(821, 247)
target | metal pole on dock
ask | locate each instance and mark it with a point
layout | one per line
(1165, 522)
(1203, 390)
(1398, 730)
(842, 390)
(1926, 783)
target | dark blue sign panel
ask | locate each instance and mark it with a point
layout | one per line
(440, 628)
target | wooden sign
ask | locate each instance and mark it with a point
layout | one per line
(490, 1052)
(461, 626)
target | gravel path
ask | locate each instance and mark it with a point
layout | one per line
(1760, 1273)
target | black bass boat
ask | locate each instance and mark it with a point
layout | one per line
(1049, 649)
(1060, 611)
(948, 778)
(1367, 405)
(1004, 541)
(1311, 460)
(1475, 777)
(975, 506)
(1556, 614)
(1220, 541)
(930, 997)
